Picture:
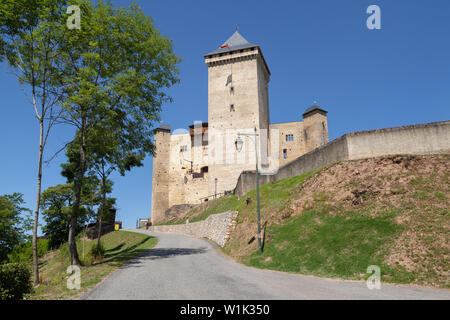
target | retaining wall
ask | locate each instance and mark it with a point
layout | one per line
(216, 227)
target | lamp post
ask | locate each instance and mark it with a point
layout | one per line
(239, 142)
(215, 188)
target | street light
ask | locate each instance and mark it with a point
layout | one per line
(215, 188)
(239, 143)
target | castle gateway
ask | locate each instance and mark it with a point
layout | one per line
(203, 163)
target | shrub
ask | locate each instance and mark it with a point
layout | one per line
(15, 281)
(97, 251)
(24, 252)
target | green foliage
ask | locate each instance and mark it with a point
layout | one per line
(56, 207)
(97, 251)
(13, 226)
(15, 281)
(109, 78)
(116, 69)
(19, 22)
(120, 247)
(24, 252)
(118, 66)
(109, 216)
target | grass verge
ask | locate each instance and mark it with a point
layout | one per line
(328, 245)
(120, 247)
(392, 212)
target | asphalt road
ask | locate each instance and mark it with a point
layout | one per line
(180, 267)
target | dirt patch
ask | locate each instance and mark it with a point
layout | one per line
(415, 190)
(356, 184)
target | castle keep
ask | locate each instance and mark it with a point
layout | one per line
(203, 163)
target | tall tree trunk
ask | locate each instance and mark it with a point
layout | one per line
(38, 203)
(74, 258)
(102, 212)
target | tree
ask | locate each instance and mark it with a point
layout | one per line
(109, 152)
(115, 71)
(28, 41)
(13, 227)
(56, 210)
(96, 187)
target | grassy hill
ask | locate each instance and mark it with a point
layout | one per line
(336, 221)
(120, 246)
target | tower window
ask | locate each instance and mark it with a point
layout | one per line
(289, 137)
(232, 108)
(284, 153)
(183, 148)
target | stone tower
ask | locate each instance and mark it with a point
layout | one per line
(315, 127)
(161, 168)
(238, 101)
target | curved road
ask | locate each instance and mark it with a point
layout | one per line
(180, 267)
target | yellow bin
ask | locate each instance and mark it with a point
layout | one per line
(116, 227)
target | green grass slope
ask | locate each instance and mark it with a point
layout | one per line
(120, 246)
(335, 222)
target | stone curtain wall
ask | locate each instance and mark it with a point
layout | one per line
(425, 138)
(415, 139)
(216, 227)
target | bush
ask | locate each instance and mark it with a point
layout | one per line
(97, 252)
(24, 252)
(15, 281)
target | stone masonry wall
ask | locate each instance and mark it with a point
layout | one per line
(160, 179)
(216, 227)
(424, 138)
(237, 90)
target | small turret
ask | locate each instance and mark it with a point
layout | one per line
(315, 127)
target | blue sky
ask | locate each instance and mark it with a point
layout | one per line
(316, 50)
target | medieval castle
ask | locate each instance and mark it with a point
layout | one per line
(204, 163)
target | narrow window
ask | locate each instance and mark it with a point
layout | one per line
(231, 107)
(284, 153)
(231, 90)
